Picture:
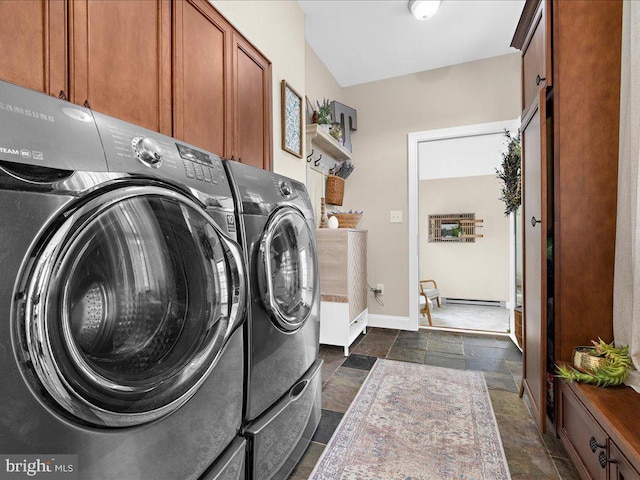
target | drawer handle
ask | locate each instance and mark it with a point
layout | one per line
(593, 443)
(540, 79)
(534, 221)
(602, 458)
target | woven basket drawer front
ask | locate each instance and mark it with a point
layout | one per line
(357, 260)
(342, 255)
(332, 258)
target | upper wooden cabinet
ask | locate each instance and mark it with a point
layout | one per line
(201, 79)
(33, 42)
(533, 38)
(120, 60)
(176, 67)
(251, 105)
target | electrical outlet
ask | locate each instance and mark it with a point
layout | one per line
(395, 216)
(380, 287)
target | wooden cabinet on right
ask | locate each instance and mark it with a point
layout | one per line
(598, 427)
(570, 151)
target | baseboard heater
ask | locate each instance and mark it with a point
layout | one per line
(469, 301)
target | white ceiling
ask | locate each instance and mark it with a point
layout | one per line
(366, 40)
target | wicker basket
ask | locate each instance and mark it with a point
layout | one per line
(347, 220)
(335, 190)
(585, 362)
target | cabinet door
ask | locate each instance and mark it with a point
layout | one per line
(535, 257)
(536, 56)
(33, 44)
(120, 59)
(252, 134)
(202, 61)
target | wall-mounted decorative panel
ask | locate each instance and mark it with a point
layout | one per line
(454, 227)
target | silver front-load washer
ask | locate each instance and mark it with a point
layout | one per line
(275, 219)
(122, 298)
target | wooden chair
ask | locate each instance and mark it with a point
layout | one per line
(428, 294)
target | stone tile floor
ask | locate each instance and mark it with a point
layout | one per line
(530, 456)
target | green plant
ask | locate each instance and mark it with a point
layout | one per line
(613, 372)
(509, 174)
(324, 112)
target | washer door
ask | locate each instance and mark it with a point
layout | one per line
(127, 306)
(288, 269)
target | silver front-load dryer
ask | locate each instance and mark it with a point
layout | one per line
(122, 298)
(283, 371)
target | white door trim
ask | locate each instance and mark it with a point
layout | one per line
(413, 140)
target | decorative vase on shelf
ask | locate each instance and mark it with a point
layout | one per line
(325, 126)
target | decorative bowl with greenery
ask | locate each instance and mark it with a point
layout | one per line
(608, 367)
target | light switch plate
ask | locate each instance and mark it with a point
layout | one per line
(395, 216)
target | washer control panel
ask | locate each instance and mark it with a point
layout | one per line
(136, 150)
(200, 165)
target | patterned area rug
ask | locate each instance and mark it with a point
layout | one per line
(416, 422)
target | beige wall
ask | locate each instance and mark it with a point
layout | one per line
(320, 82)
(477, 92)
(478, 270)
(275, 28)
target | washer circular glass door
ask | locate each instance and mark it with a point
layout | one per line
(128, 305)
(289, 265)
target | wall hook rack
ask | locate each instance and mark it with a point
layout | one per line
(310, 155)
(317, 162)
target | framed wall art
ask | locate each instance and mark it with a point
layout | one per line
(291, 120)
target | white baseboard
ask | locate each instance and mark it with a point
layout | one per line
(390, 321)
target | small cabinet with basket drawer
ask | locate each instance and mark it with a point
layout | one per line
(599, 429)
(342, 259)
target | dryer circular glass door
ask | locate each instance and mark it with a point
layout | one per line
(128, 304)
(288, 269)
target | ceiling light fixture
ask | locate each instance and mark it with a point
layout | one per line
(423, 9)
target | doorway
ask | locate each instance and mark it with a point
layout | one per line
(450, 176)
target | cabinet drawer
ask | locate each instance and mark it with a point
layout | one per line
(534, 59)
(619, 467)
(583, 438)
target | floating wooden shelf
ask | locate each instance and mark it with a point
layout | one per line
(326, 142)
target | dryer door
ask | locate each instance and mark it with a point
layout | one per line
(126, 306)
(289, 265)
